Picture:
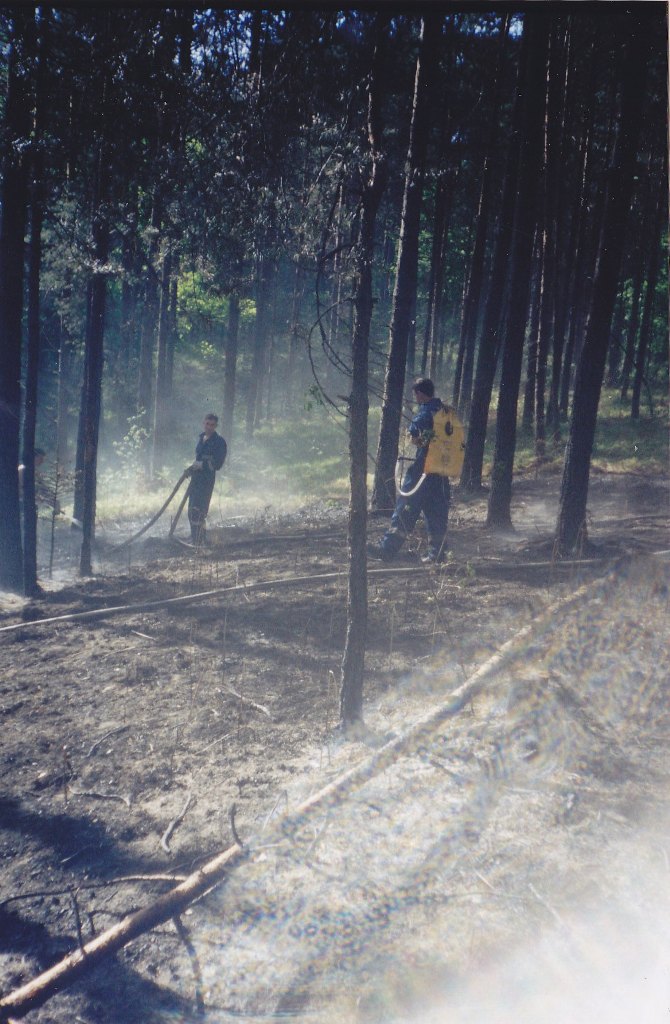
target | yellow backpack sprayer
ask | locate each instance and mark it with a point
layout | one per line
(446, 447)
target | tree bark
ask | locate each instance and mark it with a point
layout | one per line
(488, 191)
(230, 367)
(571, 524)
(161, 428)
(12, 229)
(404, 296)
(30, 584)
(536, 27)
(353, 661)
(649, 298)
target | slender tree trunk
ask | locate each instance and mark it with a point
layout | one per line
(650, 296)
(294, 339)
(404, 296)
(353, 661)
(488, 191)
(230, 368)
(571, 524)
(30, 584)
(528, 415)
(633, 322)
(435, 280)
(536, 25)
(489, 345)
(12, 229)
(264, 279)
(161, 428)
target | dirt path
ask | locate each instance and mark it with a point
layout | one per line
(537, 820)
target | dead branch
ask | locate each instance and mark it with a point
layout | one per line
(165, 838)
(36, 992)
(100, 884)
(233, 828)
(246, 700)
(106, 736)
(94, 795)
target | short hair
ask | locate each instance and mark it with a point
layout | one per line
(211, 416)
(425, 386)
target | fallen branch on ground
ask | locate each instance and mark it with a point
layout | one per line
(246, 700)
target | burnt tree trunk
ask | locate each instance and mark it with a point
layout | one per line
(353, 661)
(571, 524)
(30, 584)
(650, 295)
(475, 289)
(404, 295)
(12, 228)
(230, 366)
(536, 27)
(489, 343)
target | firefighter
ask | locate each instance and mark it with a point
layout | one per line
(210, 454)
(437, 435)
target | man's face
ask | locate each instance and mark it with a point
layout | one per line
(209, 426)
(420, 397)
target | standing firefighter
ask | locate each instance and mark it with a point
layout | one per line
(210, 454)
(437, 434)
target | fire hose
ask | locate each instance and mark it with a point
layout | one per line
(185, 475)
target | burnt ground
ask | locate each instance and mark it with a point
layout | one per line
(514, 865)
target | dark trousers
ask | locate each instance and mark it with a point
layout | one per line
(199, 497)
(431, 498)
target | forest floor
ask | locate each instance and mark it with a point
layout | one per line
(513, 866)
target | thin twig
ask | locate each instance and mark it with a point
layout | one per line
(105, 883)
(247, 700)
(106, 736)
(101, 796)
(233, 829)
(165, 838)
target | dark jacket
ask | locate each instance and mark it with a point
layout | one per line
(212, 453)
(422, 425)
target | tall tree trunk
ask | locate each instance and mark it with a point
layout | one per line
(633, 320)
(436, 274)
(294, 338)
(488, 191)
(150, 315)
(12, 229)
(30, 584)
(571, 524)
(404, 296)
(92, 389)
(230, 366)
(353, 661)
(650, 296)
(262, 327)
(161, 428)
(536, 27)
(528, 414)
(489, 345)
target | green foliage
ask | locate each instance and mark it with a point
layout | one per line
(131, 447)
